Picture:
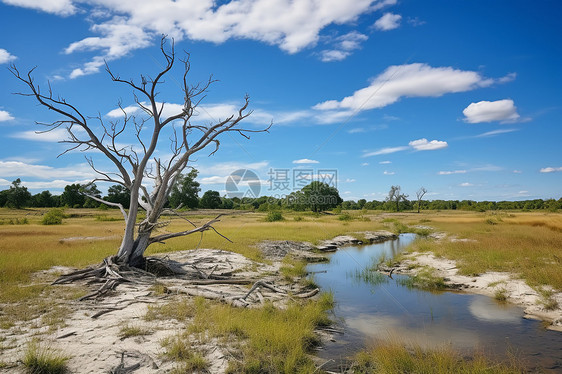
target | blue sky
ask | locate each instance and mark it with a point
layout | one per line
(461, 97)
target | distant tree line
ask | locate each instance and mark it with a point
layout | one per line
(316, 196)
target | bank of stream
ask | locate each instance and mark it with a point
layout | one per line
(383, 308)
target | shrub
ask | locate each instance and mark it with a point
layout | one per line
(273, 216)
(53, 217)
(345, 217)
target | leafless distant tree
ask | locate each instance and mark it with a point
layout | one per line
(395, 195)
(136, 167)
(419, 195)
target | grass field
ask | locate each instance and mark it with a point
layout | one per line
(528, 244)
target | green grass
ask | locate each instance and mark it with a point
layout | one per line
(396, 358)
(500, 295)
(292, 268)
(424, 280)
(38, 359)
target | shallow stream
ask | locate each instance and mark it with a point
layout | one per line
(370, 311)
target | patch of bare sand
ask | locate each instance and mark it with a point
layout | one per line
(515, 290)
(95, 345)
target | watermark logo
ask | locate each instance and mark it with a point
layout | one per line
(243, 183)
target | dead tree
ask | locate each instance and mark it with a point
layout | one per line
(148, 178)
(419, 195)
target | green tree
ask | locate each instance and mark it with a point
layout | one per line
(90, 190)
(18, 196)
(72, 197)
(185, 191)
(210, 200)
(119, 195)
(44, 200)
(319, 196)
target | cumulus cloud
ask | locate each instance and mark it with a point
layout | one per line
(343, 46)
(410, 80)
(5, 56)
(129, 25)
(388, 172)
(425, 145)
(385, 162)
(551, 169)
(489, 111)
(59, 7)
(305, 161)
(388, 21)
(5, 116)
(466, 184)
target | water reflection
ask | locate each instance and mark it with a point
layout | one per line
(486, 309)
(374, 311)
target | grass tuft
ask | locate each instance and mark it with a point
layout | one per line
(424, 280)
(131, 331)
(38, 359)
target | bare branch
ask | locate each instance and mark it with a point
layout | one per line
(206, 226)
(121, 208)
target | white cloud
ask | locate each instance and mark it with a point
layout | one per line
(488, 111)
(388, 21)
(216, 179)
(551, 169)
(388, 172)
(411, 80)
(344, 45)
(226, 168)
(425, 145)
(416, 145)
(212, 113)
(494, 133)
(305, 161)
(385, 162)
(365, 164)
(5, 56)
(55, 135)
(59, 7)
(466, 184)
(350, 180)
(508, 78)
(18, 169)
(517, 172)
(385, 151)
(5, 116)
(452, 172)
(128, 25)
(118, 112)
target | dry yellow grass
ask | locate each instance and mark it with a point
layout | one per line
(526, 244)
